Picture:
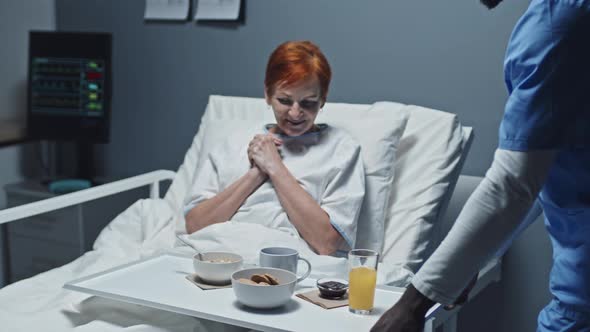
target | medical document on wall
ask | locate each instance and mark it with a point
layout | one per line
(166, 9)
(217, 10)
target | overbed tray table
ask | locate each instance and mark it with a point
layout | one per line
(159, 282)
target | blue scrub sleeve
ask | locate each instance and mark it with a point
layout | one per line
(547, 73)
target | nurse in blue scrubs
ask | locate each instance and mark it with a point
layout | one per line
(544, 154)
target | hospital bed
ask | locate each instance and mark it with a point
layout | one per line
(426, 152)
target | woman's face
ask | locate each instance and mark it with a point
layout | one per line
(296, 107)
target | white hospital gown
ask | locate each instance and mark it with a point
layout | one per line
(326, 163)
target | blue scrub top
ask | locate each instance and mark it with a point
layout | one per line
(547, 72)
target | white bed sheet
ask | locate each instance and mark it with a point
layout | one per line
(144, 229)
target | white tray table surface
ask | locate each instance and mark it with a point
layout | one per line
(159, 282)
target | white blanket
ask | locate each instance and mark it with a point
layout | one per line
(144, 229)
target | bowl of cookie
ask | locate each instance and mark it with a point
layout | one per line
(263, 287)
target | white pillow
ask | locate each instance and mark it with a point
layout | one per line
(377, 128)
(428, 162)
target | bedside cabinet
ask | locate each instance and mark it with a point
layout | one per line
(43, 242)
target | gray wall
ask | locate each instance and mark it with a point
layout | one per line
(17, 17)
(442, 54)
(446, 55)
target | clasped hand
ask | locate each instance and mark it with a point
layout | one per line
(263, 152)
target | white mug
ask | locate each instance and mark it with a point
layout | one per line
(283, 258)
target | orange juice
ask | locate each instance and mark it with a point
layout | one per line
(361, 291)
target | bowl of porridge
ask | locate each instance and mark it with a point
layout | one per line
(216, 268)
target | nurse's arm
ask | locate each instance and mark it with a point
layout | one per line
(490, 216)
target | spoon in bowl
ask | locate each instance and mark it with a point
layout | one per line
(190, 245)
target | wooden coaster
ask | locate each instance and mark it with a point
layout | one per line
(315, 298)
(194, 278)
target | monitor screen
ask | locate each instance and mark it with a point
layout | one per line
(69, 86)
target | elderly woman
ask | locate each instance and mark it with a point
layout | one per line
(293, 174)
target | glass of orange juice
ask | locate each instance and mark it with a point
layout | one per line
(362, 279)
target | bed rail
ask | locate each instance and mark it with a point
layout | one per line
(152, 179)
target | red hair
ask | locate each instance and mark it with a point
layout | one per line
(297, 61)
